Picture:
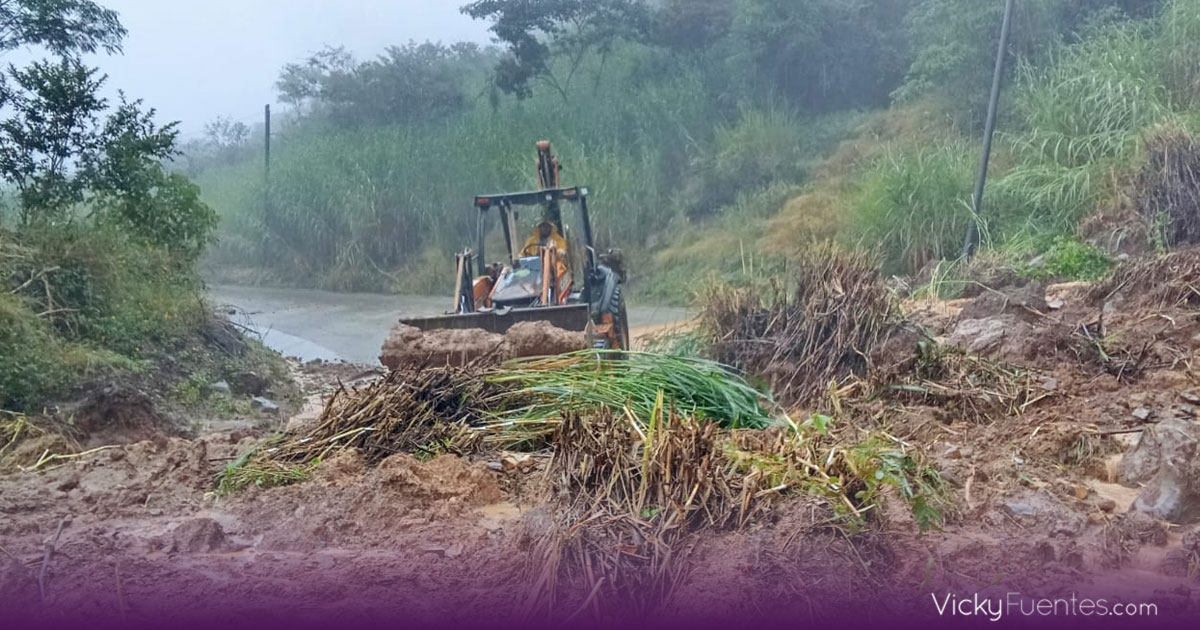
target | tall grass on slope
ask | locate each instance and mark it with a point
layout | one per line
(913, 205)
(1179, 39)
(1080, 116)
(543, 390)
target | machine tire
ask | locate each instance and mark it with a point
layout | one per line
(623, 328)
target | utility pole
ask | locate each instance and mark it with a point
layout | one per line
(972, 242)
(267, 159)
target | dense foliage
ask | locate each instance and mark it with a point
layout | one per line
(714, 133)
(98, 237)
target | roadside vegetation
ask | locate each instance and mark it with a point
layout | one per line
(716, 134)
(98, 236)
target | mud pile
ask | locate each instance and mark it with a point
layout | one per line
(407, 345)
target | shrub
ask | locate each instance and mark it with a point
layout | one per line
(913, 205)
(32, 367)
(1070, 259)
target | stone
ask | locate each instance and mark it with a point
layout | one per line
(1166, 463)
(264, 405)
(1107, 505)
(1055, 305)
(1039, 509)
(249, 384)
(1166, 496)
(221, 387)
(1143, 414)
(199, 535)
(979, 336)
(1173, 439)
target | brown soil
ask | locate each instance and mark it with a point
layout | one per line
(407, 345)
(1041, 504)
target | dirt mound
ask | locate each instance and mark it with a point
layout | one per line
(1169, 281)
(115, 414)
(1166, 191)
(539, 339)
(407, 345)
(200, 535)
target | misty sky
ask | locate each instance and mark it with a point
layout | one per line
(195, 60)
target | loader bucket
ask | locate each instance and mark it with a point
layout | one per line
(574, 317)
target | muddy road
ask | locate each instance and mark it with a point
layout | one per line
(310, 324)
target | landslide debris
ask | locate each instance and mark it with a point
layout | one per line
(407, 345)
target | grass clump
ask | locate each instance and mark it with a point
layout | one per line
(634, 496)
(249, 470)
(586, 382)
(1070, 259)
(913, 205)
(816, 327)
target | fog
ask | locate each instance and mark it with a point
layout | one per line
(195, 60)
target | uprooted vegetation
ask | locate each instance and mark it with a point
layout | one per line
(816, 326)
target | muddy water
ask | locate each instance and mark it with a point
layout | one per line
(312, 324)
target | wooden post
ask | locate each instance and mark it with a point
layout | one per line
(267, 159)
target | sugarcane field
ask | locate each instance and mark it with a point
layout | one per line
(611, 314)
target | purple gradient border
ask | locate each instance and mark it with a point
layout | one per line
(175, 608)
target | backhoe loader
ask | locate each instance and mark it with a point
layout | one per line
(552, 276)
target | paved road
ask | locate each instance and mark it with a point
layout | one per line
(351, 326)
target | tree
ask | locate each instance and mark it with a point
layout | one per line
(821, 55)
(303, 82)
(225, 134)
(694, 25)
(539, 33)
(63, 27)
(54, 108)
(954, 41)
(406, 83)
(61, 147)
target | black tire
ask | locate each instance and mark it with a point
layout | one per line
(623, 328)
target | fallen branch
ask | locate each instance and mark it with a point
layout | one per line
(49, 553)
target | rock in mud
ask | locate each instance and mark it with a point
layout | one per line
(249, 384)
(1044, 511)
(1166, 496)
(199, 535)
(1185, 560)
(1166, 462)
(264, 405)
(1022, 302)
(407, 345)
(980, 336)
